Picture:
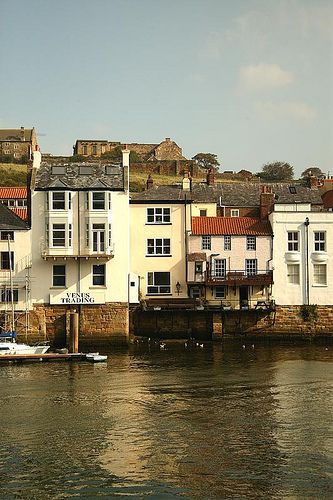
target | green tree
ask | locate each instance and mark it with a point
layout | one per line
(206, 160)
(277, 171)
(316, 171)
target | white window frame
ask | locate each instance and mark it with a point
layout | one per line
(293, 241)
(251, 242)
(58, 229)
(195, 292)
(158, 215)
(6, 295)
(96, 276)
(251, 267)
(57, 274)
(227, 242)
(60, 201)
(319, 240)
(98, 200)
(206, 242)
(293, 274)
(319, 274)
(155, 288)
(234, 212)
(220, 268)
(221, 292)
(160, 247)
(8, 259)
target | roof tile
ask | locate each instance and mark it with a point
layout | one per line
(230, 226)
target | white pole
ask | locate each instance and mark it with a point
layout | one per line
(11, 285)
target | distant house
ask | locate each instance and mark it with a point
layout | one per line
(15, 198)
(165, 150)
(17, 144)
(15, 263)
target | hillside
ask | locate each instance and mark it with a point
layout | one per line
(12, 174)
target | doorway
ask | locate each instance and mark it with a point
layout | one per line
(244, 297)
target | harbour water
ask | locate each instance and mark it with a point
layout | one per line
(219, 421)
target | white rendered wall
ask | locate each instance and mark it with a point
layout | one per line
(79, 272)
(286, 293)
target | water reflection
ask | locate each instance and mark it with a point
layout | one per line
(222, 421)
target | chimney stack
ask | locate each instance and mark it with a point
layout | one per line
(313, 181)
(150, 182)
(22, 134)
(186, 184)
(210, 177)
(266, 202)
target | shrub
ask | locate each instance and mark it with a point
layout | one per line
(309, 312)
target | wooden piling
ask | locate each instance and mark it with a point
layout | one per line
(74, 332)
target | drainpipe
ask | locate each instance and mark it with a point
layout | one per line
(185, 237)
(307, 285)
(79, 242)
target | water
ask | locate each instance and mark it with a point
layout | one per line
(212, 422)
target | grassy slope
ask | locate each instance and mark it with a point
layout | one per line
(12, 174)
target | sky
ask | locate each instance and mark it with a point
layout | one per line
(248, 80)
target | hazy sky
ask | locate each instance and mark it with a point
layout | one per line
(248, 80)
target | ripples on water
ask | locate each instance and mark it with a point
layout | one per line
(218, 422)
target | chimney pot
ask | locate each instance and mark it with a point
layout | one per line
(210, 177)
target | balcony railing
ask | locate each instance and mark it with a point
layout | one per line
(239, 277)
(74, 253)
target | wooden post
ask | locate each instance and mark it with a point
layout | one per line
(74, 332)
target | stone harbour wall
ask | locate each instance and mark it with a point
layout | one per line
(100, 324)
(112, 323)
(285, 321)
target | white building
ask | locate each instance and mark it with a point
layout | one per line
(302, 255)
(15, 264)
(80, 245)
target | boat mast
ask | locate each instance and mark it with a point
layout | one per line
(11, 284)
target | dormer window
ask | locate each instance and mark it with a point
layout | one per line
(234, 212)
(292, 189)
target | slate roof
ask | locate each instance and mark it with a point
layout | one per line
(14, 193)
(163, 193)
(233, 194)
(246, 194)
(14, 134)
(95, 175)
(9, 220)
(231, 226)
